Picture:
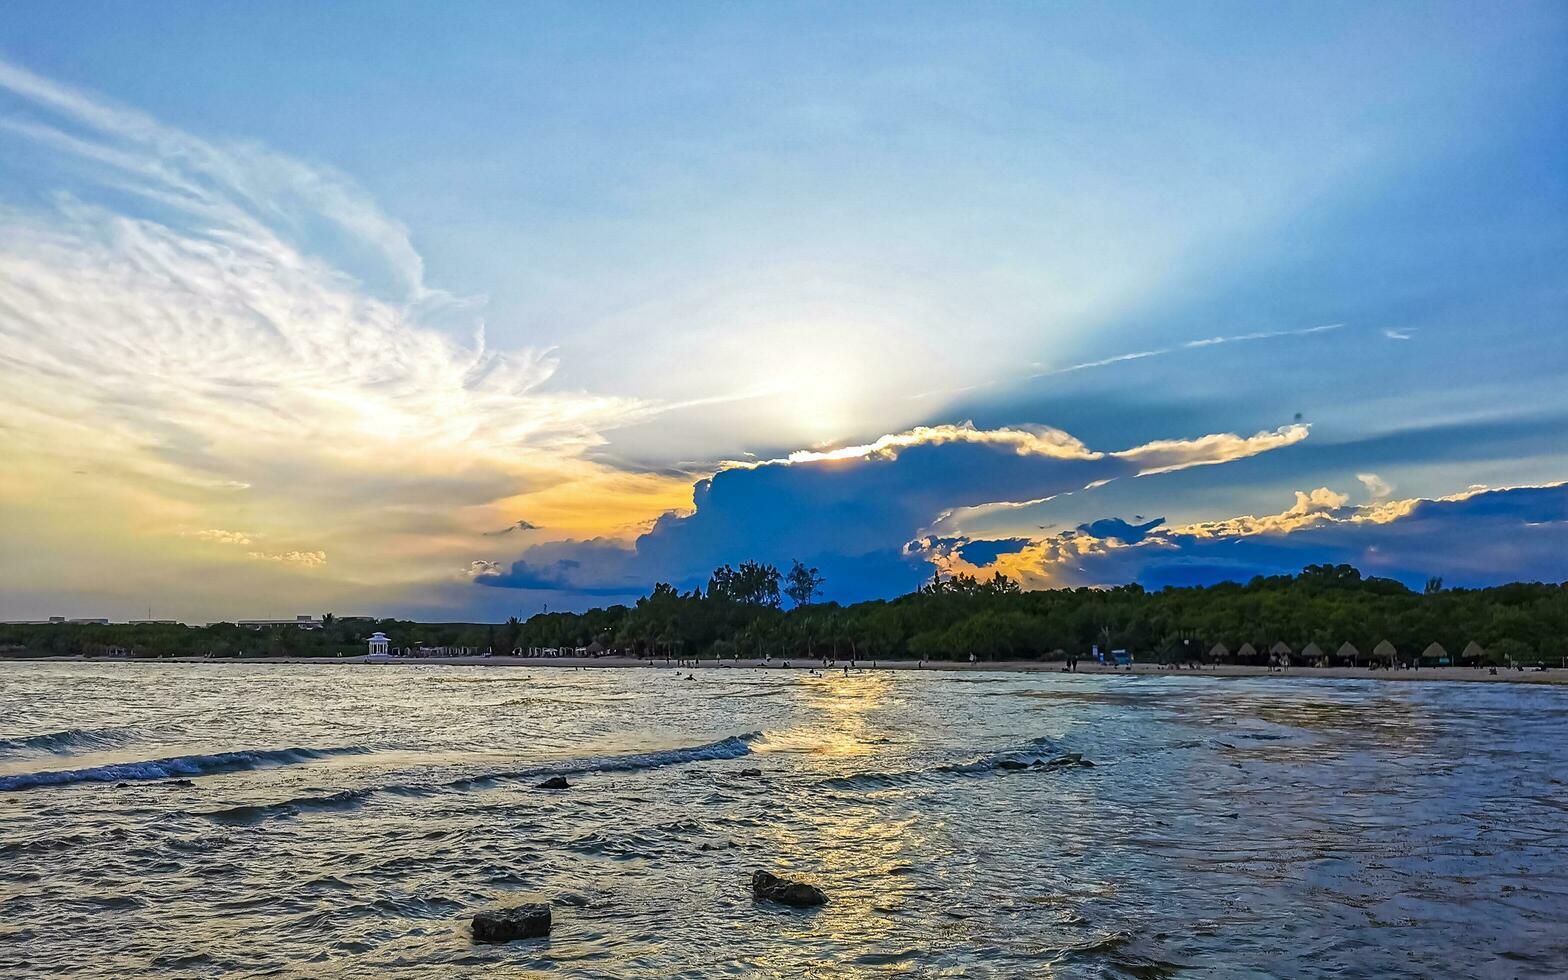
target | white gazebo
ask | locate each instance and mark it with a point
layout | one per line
(380, 647)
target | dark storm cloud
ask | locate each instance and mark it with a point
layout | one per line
(1470, 541)
(984, 552)
(852, 517)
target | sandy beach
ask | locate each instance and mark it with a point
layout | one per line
(1553, 675)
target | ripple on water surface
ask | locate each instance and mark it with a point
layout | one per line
(341, 822)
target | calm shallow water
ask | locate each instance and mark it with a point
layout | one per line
(347, 821)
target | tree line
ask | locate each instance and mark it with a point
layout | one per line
(742, 612)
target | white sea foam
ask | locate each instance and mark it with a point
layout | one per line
(732, 747)
(174, 767)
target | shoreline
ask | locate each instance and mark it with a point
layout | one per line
(1554, 676)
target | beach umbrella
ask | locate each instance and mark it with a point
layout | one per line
(1473, 651)
(1280, 652)
(1311, 653)
(1436, 652)
(1245, 653)
(1219, 652)
(1385, 651)
(1348, 651)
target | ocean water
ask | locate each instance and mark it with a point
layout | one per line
(347, 821)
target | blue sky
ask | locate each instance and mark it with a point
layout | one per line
(361, 284)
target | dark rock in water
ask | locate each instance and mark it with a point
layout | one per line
(121, 785)
(178, 782)
(727, 845)
(1011, 764)
(518, 922)
(750, 772)
(554, 782)
(775, 889)
(1065, 761)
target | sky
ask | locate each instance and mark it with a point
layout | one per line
(469, 311)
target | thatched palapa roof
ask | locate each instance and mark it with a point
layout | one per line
(1435, 651)
(1219, 652)
(1473, 651)
(1386, 650)
(1347, 651)
(1246, 650)
(1282, 648)
(1312, 652)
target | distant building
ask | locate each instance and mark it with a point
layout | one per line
(58, 621)
(300, 622)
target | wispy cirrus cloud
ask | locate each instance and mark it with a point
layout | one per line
(218, 535)
(1189, 345)
(306, 559)
(297, 557)
(1048, 371)
(200, 332)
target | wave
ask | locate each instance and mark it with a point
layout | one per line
(175, 767)
(1037, 755)
(67, 741)
(1120, 952)
(732, 747)
(65, 842)
(256, 812)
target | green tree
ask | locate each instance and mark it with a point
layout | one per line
(753, 583)
(803, 584)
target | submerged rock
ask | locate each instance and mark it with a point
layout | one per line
(518, 922)
(554, 782)
(750, 772)
(772, 888)
(1065, 761)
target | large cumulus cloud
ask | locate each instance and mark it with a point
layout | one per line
(860, 513)
(1474, 538)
